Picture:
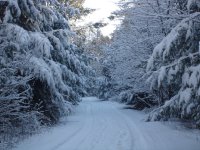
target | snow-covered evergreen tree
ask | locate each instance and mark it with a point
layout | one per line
(174, 68)
(42, 72)
(144, 25)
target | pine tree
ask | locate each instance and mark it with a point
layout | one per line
(42, 72)
(174, 66)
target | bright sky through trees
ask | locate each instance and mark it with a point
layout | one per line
(104, 9)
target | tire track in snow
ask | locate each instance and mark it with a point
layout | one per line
(76, 133)
(137, 139)
(84, 137)
(127, 128)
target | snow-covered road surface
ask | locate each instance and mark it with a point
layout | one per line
(98, 125)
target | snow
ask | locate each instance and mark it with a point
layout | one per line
(194, 77)
(191, 3)
(165, 48)
(17, 34)
(42, 45)
(199, 46)
(161, 76)
(185, 95)
(172, 72)
(97, 125)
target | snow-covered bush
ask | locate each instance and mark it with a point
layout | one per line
(42, 72)
(174, 66)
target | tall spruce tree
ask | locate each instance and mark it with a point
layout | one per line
(42, 72)
(174, 66)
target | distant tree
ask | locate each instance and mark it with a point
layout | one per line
(145, 23)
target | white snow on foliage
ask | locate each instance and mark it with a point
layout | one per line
(41, 70)
(161, 76)
(176, 60)
(41, 45)
(192, 3)
(164, 48)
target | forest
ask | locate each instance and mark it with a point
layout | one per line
(49, 62)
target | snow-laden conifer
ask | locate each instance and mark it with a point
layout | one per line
(42, 72)
(174, 65)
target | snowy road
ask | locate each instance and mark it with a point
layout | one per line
(97, 125)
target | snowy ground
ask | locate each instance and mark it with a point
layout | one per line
(97, 125)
